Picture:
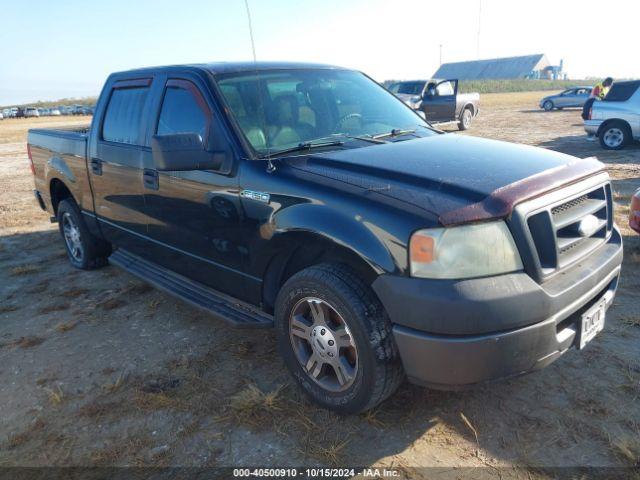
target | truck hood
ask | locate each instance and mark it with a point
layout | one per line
(456, 178)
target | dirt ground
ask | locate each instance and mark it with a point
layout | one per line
(97, 368)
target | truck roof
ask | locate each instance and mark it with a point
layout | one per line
(233, 67)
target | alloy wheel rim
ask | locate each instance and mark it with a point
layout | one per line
(323, 344)
(72, 237)
(613, 137)
(548, 105)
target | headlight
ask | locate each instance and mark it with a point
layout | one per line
(463, 252)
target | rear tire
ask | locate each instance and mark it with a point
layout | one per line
(465, 119)
(85, 251)
(548, 106)
(614, 136)
(326, 315)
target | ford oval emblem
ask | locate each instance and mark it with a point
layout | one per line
(588, 225)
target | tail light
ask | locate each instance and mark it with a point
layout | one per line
(33, 169)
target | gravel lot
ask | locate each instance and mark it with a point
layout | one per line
(97, 368)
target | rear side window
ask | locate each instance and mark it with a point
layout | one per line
(621, 92)
(182, 112)
(123, 119)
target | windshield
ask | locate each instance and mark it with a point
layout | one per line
(278, 110)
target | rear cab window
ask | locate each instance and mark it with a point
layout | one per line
(124, 114)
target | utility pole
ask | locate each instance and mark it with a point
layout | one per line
(440, 54)
(479, 25)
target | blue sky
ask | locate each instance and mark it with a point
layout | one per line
(53, 49)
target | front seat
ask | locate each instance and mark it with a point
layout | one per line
(284, 125)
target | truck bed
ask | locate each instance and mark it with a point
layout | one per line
(72, 141)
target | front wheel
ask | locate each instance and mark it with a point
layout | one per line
(548, 106)
(84, 250)
(465, 119)
(336, 340)
(614, 136)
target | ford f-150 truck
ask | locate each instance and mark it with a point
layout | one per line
(310, 199)
(439, 101)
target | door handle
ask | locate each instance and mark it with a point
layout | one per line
(96, 166)
(150, 179)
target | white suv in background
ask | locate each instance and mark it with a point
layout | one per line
(616, 119)
(31, 112)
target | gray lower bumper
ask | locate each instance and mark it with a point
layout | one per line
(453, 333)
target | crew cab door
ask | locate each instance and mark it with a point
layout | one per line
(439, 101)
(194, 216)
(115, 163)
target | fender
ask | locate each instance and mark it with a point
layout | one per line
(58, 168)
(353, 233)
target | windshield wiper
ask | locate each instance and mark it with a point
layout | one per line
(393, 133)
(302, 146)
(365, 138)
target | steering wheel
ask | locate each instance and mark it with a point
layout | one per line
(344, 118)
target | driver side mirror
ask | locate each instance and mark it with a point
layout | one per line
(184, 152)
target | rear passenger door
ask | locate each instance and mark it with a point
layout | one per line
(194, 216)
(115, 163)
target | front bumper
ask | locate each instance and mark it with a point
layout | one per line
(452, 334)
(592, 126)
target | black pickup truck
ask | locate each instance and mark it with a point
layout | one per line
(439, 101)
(310, 199)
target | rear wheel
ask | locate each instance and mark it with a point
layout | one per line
(614, 136)
(85, 251)
(336, 340)
(465, 119)
(547, 105)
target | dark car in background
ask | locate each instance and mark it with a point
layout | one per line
(439, 101)
(572, 97)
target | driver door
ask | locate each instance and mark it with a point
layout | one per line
(439, 103)
(194, 216)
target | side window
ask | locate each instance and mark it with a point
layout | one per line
(444, 88)
(123, 118)
(183, 111)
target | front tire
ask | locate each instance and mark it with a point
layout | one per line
(84, 250)
(548, 106)
(614, 136)
(465, 119)
(335, 338)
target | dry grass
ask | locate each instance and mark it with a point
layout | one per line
(331, 452)
(255, 407)
(630, 321)
(26, 269)
(97, 409)
(15, 129)
(55, 307)
(150, 402)
(17, 439)
(74, 292)
(26, 342)
(111, 303)
(111, 454)
(8, 308)
(65, 326)
(111, 387)
(55, 395)
(627, 448)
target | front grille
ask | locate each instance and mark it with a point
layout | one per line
(567, 229)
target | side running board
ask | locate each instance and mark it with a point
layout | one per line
(235, 312)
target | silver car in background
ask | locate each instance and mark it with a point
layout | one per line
(572, 97)
(616, 119)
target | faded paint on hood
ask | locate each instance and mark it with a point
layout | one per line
(456, 178)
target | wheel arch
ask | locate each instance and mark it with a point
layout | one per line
(58, 191)
(609, 121)
(307, 234)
